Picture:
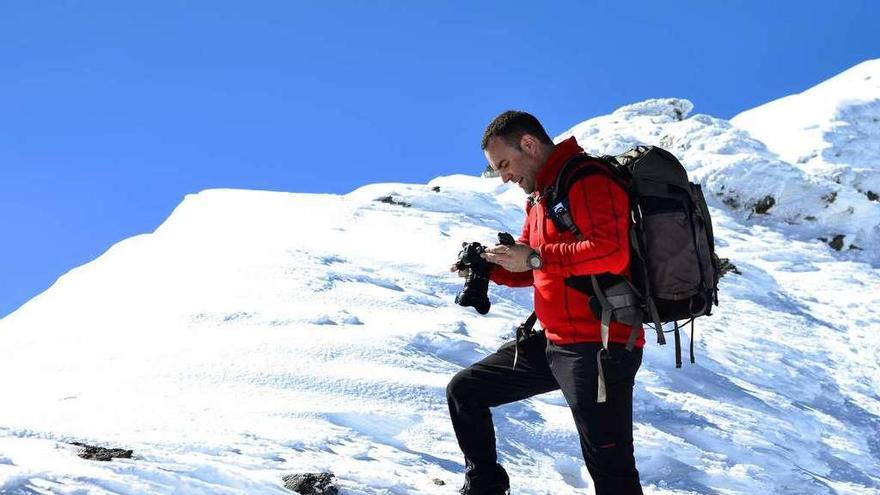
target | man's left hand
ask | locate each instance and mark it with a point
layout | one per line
(511, 258)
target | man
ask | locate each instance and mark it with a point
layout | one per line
(564, 356)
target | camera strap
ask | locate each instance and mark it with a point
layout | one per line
(523, 331)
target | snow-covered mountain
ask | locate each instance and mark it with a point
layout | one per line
(256, 334)
(831, 130)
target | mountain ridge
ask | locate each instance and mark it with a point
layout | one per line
(255, 334)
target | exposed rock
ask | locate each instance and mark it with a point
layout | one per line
(391, 200)
(724, 265)
(731, 202)
(872, 195)
(830, 197)
(673, 108)
(439, 482)
(94, 453)
(436, 188)
(311, 483)
(836, 242)
(763, 205)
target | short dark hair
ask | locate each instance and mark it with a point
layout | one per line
(512, 125)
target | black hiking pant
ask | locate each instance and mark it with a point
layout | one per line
(605, 430)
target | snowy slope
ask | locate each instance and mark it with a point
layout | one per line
(256, 334)
(831, 130)
(742, 174)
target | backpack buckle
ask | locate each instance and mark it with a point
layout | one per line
(559, 209)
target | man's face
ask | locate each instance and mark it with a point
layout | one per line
(512, 164)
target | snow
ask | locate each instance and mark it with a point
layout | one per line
(738, 172)
(256, 334)
(831, 130)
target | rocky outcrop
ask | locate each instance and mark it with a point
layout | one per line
(95, 453)
(311, 483)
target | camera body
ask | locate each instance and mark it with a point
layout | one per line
(475, 291)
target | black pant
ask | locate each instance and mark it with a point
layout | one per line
(605, 429)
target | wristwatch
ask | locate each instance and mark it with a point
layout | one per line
(534, 261)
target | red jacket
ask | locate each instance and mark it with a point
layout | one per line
(600, 208)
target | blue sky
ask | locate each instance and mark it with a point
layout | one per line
(111, 112)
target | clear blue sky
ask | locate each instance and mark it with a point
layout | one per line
(110, 112)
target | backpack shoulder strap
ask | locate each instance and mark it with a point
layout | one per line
(580, 166)
(576, 168)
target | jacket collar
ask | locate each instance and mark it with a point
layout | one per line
(546, 175)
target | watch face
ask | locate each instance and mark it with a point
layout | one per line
(534, 260)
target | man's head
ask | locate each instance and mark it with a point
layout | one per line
(516, 146)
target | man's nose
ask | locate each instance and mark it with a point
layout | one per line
(505, 178)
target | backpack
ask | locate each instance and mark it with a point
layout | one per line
(674, 271)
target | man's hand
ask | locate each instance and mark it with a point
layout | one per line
(511, 258)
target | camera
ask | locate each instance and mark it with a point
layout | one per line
(475, 291)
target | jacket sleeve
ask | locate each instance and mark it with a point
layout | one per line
(600, 209)
(514, 279)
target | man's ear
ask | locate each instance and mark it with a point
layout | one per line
(529, 144)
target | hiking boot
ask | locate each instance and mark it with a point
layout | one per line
(492, 481)
(466, 491)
